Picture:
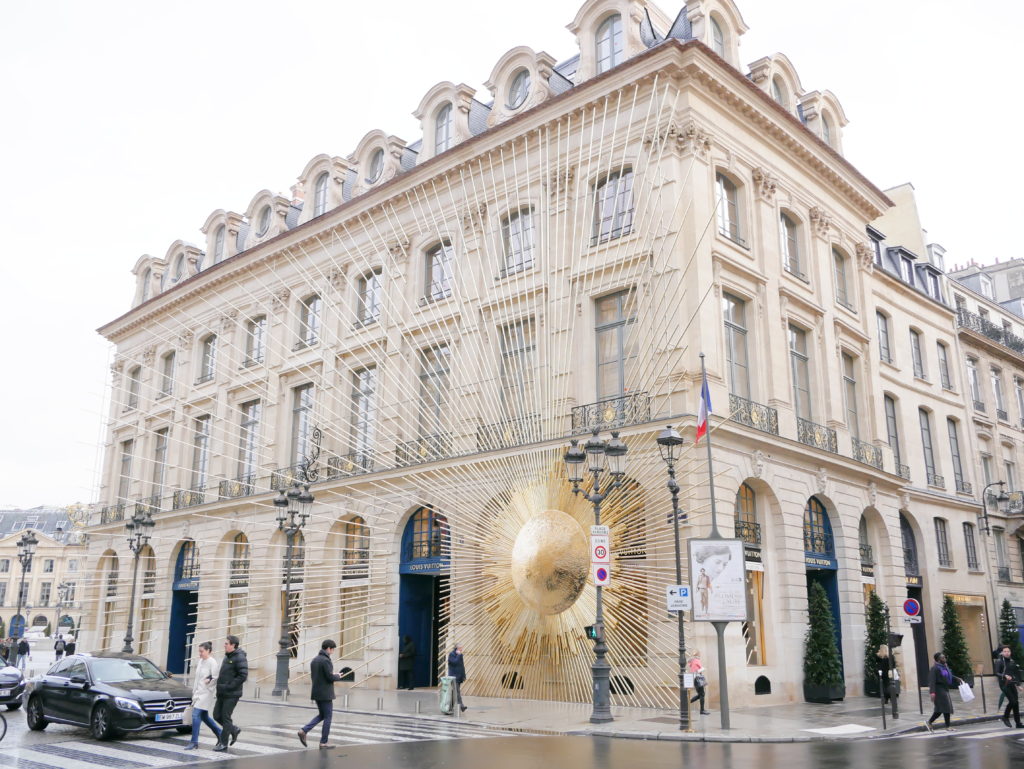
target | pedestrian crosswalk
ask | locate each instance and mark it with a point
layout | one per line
(987, 731)
(157, 752)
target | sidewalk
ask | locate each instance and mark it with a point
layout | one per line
(853, 718)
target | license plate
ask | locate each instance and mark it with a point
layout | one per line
(169, 716)
(5, 692)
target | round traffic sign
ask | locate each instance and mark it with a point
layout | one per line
(602, 573)
(911, 607)
(600, 551)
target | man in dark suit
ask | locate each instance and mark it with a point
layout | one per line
(322, 679)
(1009, 676)
(234, 670)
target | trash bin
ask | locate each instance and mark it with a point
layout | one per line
(446, 695)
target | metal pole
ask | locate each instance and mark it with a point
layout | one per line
(723, 679)
(127, 649)
(984, 705)
(283, 656)
(881, 688)
(21, 593)
(711, 472)
(684, 698)
(920, 701)
(600, 670)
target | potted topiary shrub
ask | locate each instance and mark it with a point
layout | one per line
(954, 642)
(874, 637)
(1009, 633)
(823, 671)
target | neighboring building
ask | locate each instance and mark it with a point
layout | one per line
(59, 559)
(1002, 282)
(421, 328)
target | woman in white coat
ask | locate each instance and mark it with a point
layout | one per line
(204, 693)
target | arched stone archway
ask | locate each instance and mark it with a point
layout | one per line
(424, 589)
(820, 558)
(184, 605)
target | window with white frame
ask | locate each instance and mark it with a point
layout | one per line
(942, 352)
(167, 363)
(734, 311)
(376, 169)
(364, 410)
(954, 450)
(996, 377)
(971, 547)
(208, 358)
(302, 423)
(925, 419)
(518, 367)
(517, 241)
(147, 279)
(124, 481)
(826, 129)
(48, 565)
(1002, 555)
(942, 542)
(893, 429)
(201, 431)
(309, 320)
(850, 394)
(248, 441)
(320, 194)
(986, 468)
(974, 381)
(613, 206)
(439, 268)
(519, 89)
(616, 343)
(799, 363)
(717, 38)
(790, 234)
(218, 244)
(1010, 474)
(840, 265)
(443, 129)
(134, 387)
(916, 354)
(779, 92)
(256, 340)
(727, 203)
(609, 43)
(434, 385)
(161, 439)
(368, 297)
(263, 221)
(884, 346)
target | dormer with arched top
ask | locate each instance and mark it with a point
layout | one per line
(608, 32)
(377, 158)
(323, 184)
(824, 117)
(444, 113)
(183, 260)
(221, 230)
(519, 81)
(719, 25)
(148, 272)
(267, 216)
(777, 77)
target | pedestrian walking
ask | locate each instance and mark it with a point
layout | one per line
(204, 693)
(230, 679)
(940, 681)
(69, 645)
(23, 652)
(1009, 679)
(322, 679)
(700, 681)
(58, 648)
(457, 670)
(996, 655)
(890, 678)
(5, 650)
(406, 663)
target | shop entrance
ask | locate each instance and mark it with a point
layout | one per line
(423, 605)
(184, 608)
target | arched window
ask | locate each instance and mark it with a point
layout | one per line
(355, 549)
(818, 529)
(867, 556)
(443, 129)
(218, 245)
(609, 43)
(263, 222)
(826, 129)
(147, 559)
(238, 584)
(789, 233)
(727, 199)
(779, 92)
(911, 564)
(747, 527)
(519, 89)
(186, 567)
(208, 361)
(717, 38)
(147, 278)
(179, 268)
(320, 194)
(376, 166)
(429, 536)
(438, 272)
(613, 206)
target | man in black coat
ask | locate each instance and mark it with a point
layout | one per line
(457, 670)
(406, 663)
(322, 679)
(233, 672)
(1009, 676)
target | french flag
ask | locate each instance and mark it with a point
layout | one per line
(703, 410)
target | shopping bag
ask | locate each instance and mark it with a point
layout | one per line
(446, 695)
(965, 692)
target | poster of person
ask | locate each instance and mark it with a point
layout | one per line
(718, 580)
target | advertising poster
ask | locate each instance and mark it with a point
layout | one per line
(718, 580)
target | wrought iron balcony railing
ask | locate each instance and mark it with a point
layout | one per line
(749, 532)
(511, 432)
(285, 477)
(979, 406)
(936, 480)
(112, 513)
(819, 542)
(964, 487)
(242, 486)
(1002, 415)
(903, 471)
(149, 505)
(238, 574)
(149, 581)
(429, 448)
(751, 414)
(111, 589)
(818, 436)
(980, 325)
(867, 555)
(866, 453)
(188, 497)
(353, 463)
(610, 413)
(355, 563)
(1003, 573)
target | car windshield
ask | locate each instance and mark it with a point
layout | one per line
(113, 670)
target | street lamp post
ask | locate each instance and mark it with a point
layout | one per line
(598, 454)
(140, 529)
(669, 440)
(985, 527)
(293, 510)
(26, 549)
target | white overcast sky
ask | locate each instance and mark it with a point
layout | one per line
(125, 124)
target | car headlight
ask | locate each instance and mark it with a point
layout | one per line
(127, 704)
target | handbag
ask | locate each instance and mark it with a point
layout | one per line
(966, 695)
(700, 681)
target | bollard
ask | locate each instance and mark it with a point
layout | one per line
(346, 702)
(417, 706)
(984, 705)
(380, 703)
(920, 702)
(257, 692)
(881, 696)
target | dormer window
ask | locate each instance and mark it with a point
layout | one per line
(147, 278)
(218, 245)
(179, 268)
(779, 92)
(717, 38)
(609, 43)
(826, 129)
(519, 89)
(320, 194)
(442, 129)
(376, 166)
(986, 286)
(263, 223)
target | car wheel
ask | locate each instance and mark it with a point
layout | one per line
(13, 705)
(99, 725)
(184, 730)
(34, 715)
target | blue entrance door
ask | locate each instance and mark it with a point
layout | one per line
(423, 591)
(184, 607)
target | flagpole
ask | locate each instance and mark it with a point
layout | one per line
(711, 469)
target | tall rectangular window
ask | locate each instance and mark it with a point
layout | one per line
(124, 482)
(616, 343)
(1010, 475)
(1018, 389)
(364, 409)
(975, 382)
(439, 272)
(727, 203)
(790, 234)
(916, 355)
(45, 589)
(997, 388)
(368, 296)
(1002, 556)
(986, 468)
(134, 387)
(201, 429)
(800, 371)
(3, 593)
(256, 340)
(518, 367)
(302, 422)
(160, 438)
(971, 547)
(892, 427)
(926, 442)
(884, 348)
(613, 206)
(954, 450)
(850, 394)
(434, 384)
(942, 542)
(517, 241)
(167, 374)
(943, 355)
(309, 320)
(208, 359)
(248, 441)
(735, 314)
(840, 264)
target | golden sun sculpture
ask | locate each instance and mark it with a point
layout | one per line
(549, 562)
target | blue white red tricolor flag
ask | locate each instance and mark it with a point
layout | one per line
(703, 410)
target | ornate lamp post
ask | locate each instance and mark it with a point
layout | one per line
(26, 549)
(669, 440)
(140, 529)
(1001, 499)
(597, 454)
(293, 510)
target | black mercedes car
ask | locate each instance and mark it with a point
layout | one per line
(109, 693)
(12, 686)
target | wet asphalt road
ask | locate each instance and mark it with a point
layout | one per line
(1000, 751)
